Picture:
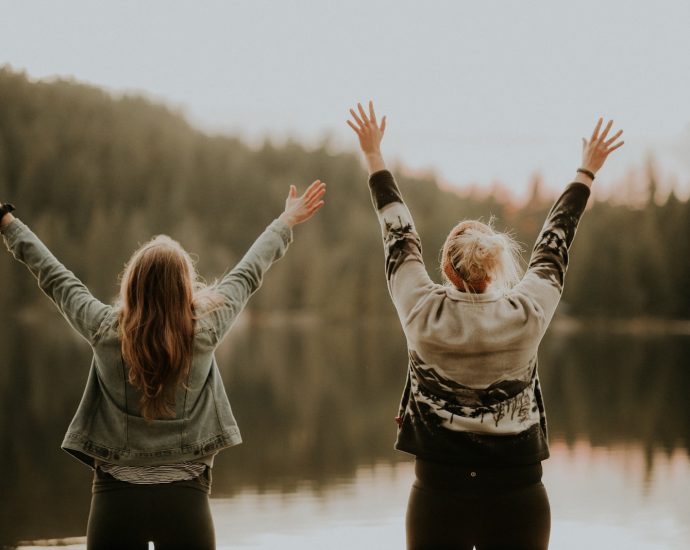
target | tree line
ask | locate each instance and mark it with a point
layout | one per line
(95, 175)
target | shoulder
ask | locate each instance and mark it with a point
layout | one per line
(537, 285)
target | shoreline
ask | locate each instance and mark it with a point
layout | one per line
(308, 319)
(561, 323)
(634, 326)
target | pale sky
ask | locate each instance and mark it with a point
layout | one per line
(478, 91)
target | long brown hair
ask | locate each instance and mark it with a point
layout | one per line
(156, 322)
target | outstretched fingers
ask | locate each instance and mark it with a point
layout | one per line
(372, 114)
(614, 138)
(367, 128)
(313, 207)
(595, 133)
(599, 141)
(611, 144)
(300, 209)
(616, 146)
(313, 201)
(357, 119)
(603, 135)
(362, 113)
(600, 146)
(364, 121)
(313, 195)
(355, 128)
(314, 188)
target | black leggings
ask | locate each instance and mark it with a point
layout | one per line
(459, 508)
(172, 515)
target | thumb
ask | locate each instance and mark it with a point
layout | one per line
(584, 143)
(293, 192)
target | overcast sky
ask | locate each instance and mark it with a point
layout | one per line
(478, 91)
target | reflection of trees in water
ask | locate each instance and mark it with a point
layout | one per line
(312, 404)
(44, 491)
(315, 404)
(616, 388)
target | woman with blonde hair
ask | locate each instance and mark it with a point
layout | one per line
(154, 411)
(472, 411)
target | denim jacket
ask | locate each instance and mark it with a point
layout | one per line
(108, 425)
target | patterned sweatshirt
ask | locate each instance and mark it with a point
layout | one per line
(472, 395)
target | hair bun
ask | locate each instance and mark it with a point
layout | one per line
(475, 256)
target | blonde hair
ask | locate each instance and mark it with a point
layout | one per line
(475, 257)
(159, 293)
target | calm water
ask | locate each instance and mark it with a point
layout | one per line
(317, 469)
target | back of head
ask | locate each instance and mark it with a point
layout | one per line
(476, 257)
(157, 322)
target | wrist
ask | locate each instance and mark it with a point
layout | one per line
(582, 177)
(374, 161)
(286, 219)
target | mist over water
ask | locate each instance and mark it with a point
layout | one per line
(315, 405)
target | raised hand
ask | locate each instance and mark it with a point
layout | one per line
(370, 134)
(367, 129)
(300, 209)
(598, 148)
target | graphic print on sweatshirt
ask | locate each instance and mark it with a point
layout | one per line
(504, 407)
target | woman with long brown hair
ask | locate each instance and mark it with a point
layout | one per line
(154, 411)
(472, 411)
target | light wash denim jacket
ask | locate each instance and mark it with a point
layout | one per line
(108, 426)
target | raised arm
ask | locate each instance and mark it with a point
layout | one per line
(408, 280)
(549, 261)
(245, 278)
(83, 312)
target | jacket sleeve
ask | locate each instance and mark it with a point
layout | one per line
(406, 275)
(245, 278)
(74, 301)
(545, 275)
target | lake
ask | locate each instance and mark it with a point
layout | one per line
(315, 403)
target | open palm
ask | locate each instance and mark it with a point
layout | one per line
(300, 209)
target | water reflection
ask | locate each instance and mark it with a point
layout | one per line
(366, 511)
(594, 506)
(617, 497)
(614, 388)
(316, 406)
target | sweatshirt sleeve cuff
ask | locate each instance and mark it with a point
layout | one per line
(580, 187)
(12, 230)
(283, 230)
(384, 190)
(382, 177)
